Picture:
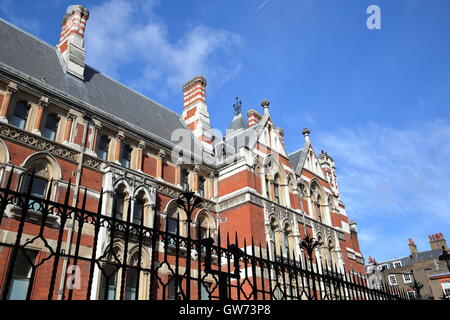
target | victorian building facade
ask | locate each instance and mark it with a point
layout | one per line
(421, 272)
(65, 121)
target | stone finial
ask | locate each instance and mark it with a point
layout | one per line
(306, 133)
(265, 104)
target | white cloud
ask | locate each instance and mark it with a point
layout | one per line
(394, 181)
(120, 34)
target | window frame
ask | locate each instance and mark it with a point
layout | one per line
(30, 276)
(99, 147)
(126, 162)
(390, 277)
(45, 127)
(16, 115)
(404, 278)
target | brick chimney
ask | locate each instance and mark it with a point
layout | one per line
(437, 241)
(71, 40)
(254, 117)
(412, 246)
(195, 111)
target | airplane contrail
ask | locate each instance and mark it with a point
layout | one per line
(263, 4)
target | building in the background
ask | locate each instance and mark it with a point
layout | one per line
(66, 121)
(428, 268)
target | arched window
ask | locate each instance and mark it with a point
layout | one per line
(20, 115)
(103, 147)
(51, 126)
(138, 211)
(118, 208)
(205, 225)
(108, 284)
(44, 171)
(184, 180)
(276, 189)
(175, 222)
(201, 186)
(125, 160)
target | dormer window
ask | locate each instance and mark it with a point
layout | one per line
(20, 115)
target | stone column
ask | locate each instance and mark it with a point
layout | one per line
(159, 164)
(11, 88)
(68, 129)
(195, 172)
(178, 164)
(93, 143)
(210, 193)
(140, 150)
(43, 103)
(117, 144)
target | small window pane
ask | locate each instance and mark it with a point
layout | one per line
(51, 126)
(172, 225)
(184, 180)
(20, 280)
(126, 156)
(130, 285)
(138, 211)
(38, 188)
(20, 115)
(103, 148)
(201, 187)
(108, 284)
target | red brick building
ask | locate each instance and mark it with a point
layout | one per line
(68, 121)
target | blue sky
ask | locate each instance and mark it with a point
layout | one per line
(377, 100)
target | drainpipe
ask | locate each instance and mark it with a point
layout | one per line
(87, 118)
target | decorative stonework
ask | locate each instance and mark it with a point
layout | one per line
(92, 162)
(38, 142)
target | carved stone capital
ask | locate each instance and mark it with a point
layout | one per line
(161, 154)
(43, 102)
(196, 168)
(11, 88)
(141, 145)
(120, 135)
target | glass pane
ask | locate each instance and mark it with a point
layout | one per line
(126, 156)
(103, 148)
(49, 134)
(39, 186)
(172, 225)
(110, 287)
(138, 210)
(20, 115)
(130, 285)
(19, 289)
(204, 292)
(18, 122)
(118, 204)
(21, 275)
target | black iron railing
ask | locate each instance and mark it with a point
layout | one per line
(68, 252)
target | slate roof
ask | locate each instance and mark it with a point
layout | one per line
(408, 261)
(238, 123)
(37, 59)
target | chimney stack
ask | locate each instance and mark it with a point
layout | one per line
(437, 241)
(254, 117)
(412, 246)
(71, 41)
(195, 111)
